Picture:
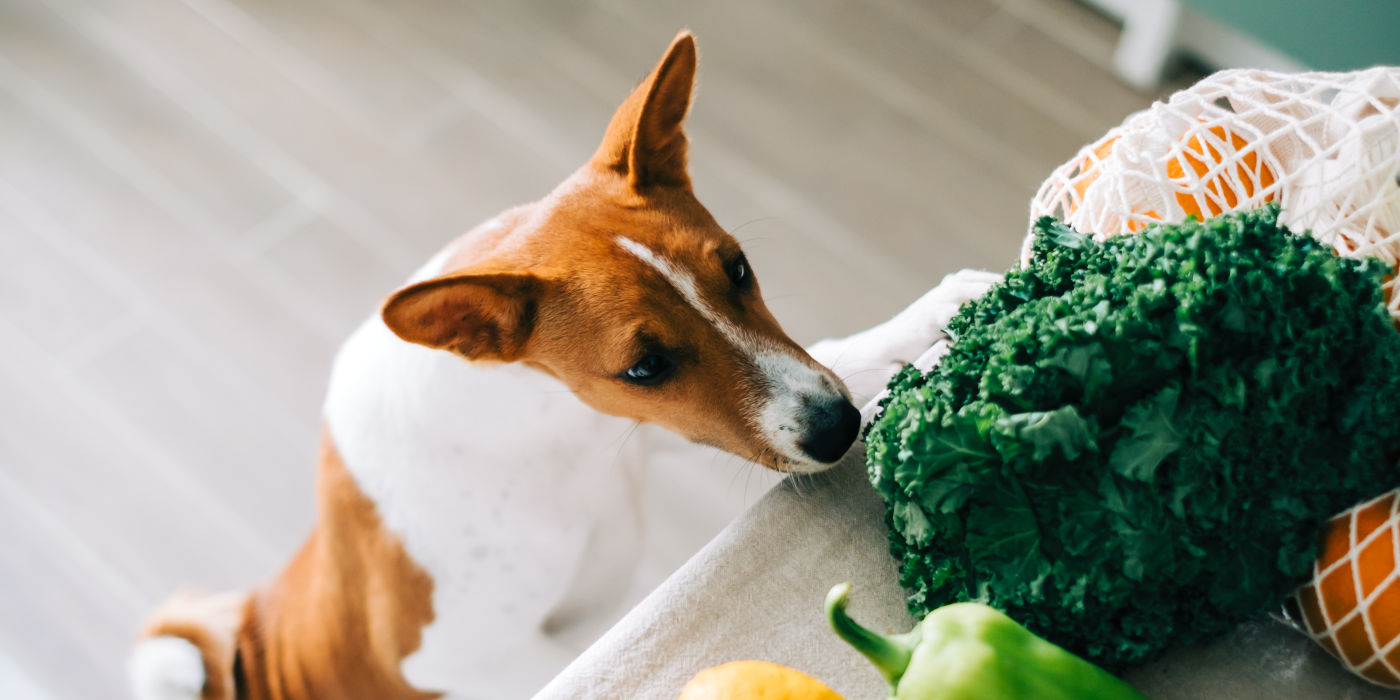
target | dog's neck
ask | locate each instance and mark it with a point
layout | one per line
(435, 441)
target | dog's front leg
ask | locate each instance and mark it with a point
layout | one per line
(867, 360)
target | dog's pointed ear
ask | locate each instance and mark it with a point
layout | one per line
(478, 316)
(645, 141)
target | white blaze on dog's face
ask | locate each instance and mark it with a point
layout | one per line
(621, 285)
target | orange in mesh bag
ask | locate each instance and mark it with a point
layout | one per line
(1221, 187)
(1089, 171)
(1352, 605)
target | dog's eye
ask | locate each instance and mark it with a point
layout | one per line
(738, 270)
(650, 371)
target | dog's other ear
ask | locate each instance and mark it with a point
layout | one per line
(645, 141)
(479, 316)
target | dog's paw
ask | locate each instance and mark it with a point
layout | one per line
(166, 668)
(867, 360)
(921, 325)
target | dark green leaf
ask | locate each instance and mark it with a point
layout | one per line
(1152, 436)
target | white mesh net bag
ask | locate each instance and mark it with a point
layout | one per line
(1325, 146)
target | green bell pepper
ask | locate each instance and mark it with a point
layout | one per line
(971, 651)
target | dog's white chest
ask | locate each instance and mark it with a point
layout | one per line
(496, 478)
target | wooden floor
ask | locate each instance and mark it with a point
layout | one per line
(200, 198)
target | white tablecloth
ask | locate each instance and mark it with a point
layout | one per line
(756, 592)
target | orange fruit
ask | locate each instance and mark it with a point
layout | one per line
(1089, 169)
(1204, 160)
(1352, 605)
(1088, 172)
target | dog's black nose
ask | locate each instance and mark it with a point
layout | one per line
(832, 425)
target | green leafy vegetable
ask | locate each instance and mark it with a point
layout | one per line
(1132, 444)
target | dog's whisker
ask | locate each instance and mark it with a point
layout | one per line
(555, 392)
(840, 355)
(741, 466)
(750, 222)
(624, 436)
(856, 373)
(797, 485)
(749, 470)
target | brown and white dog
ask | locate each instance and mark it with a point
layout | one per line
(472, 508)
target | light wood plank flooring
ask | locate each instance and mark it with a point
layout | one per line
(200, 198)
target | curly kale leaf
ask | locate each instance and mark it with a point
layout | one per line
(1131, 444)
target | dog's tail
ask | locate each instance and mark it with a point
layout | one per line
(188, 648)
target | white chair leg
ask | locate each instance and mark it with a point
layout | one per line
(1147, 42)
